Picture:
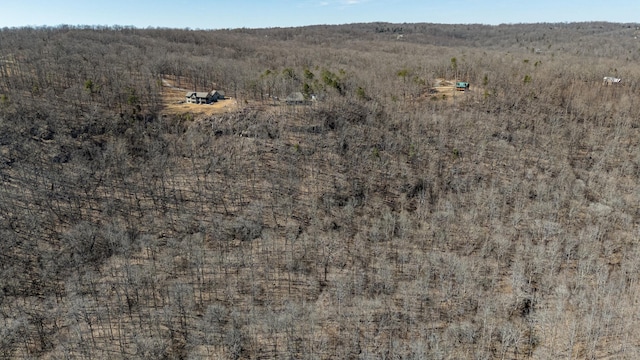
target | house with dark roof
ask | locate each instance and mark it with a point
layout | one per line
(197, 97)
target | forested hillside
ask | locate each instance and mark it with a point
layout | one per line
(382, 218)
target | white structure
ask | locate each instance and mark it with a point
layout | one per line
(608, 80)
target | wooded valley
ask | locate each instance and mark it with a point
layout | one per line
(385, 219)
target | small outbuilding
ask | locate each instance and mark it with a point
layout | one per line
(296, 98)
(462, 86)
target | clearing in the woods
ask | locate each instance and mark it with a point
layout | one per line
(173, 99)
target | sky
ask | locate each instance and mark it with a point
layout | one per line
(230, 14)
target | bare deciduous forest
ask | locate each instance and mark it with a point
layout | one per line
(383, 220)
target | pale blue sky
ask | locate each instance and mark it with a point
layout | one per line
(216, 14)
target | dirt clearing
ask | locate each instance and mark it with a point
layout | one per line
(446, 88)
(173, 100)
